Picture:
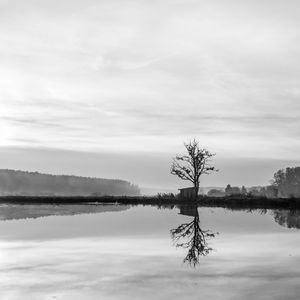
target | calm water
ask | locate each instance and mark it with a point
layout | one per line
(123, 252)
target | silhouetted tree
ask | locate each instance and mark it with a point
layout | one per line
(235, 190)
(243, 190)
(195, 239)
(228, 190)
(193, 164)
(271, 191)
(287, 182)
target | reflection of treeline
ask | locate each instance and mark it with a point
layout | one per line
(37, 184)
(287, 218)
(284, 217)
(286, 212)
(16, 212)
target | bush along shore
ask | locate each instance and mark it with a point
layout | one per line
(227, 202)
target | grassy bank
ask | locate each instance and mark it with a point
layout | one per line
(227, 202)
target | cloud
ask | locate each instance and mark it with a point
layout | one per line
(138, 65)
(108, 75)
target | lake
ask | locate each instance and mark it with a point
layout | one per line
(146, 252)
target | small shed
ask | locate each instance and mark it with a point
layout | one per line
(187, 193)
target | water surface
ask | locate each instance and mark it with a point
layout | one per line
(123, 252)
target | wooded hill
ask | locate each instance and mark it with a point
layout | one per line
(37, 184)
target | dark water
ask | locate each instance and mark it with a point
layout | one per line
(123, 252)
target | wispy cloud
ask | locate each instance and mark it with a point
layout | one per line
(92, 75)
(143, 64)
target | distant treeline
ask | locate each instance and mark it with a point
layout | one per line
(36, 184)
(285, 184)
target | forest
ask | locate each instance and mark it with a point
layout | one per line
(21, 183)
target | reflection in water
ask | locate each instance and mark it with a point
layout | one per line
(190, 236)
(287, 218)
(127, 255)
(32, 211)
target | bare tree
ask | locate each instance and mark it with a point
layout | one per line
(193, 164)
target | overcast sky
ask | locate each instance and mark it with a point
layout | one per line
(130, 80)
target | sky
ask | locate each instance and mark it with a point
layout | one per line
(113, 88)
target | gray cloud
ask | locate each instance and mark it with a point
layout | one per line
(101, 76)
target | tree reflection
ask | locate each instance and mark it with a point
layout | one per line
(190, 236)
(287, 218)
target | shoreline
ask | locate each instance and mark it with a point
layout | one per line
(226, 202)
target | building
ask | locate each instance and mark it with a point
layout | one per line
(187, 193)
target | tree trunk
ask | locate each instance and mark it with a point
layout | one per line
(196, 190)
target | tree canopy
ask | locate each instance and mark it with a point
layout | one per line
(193, 164)
(287, 182)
